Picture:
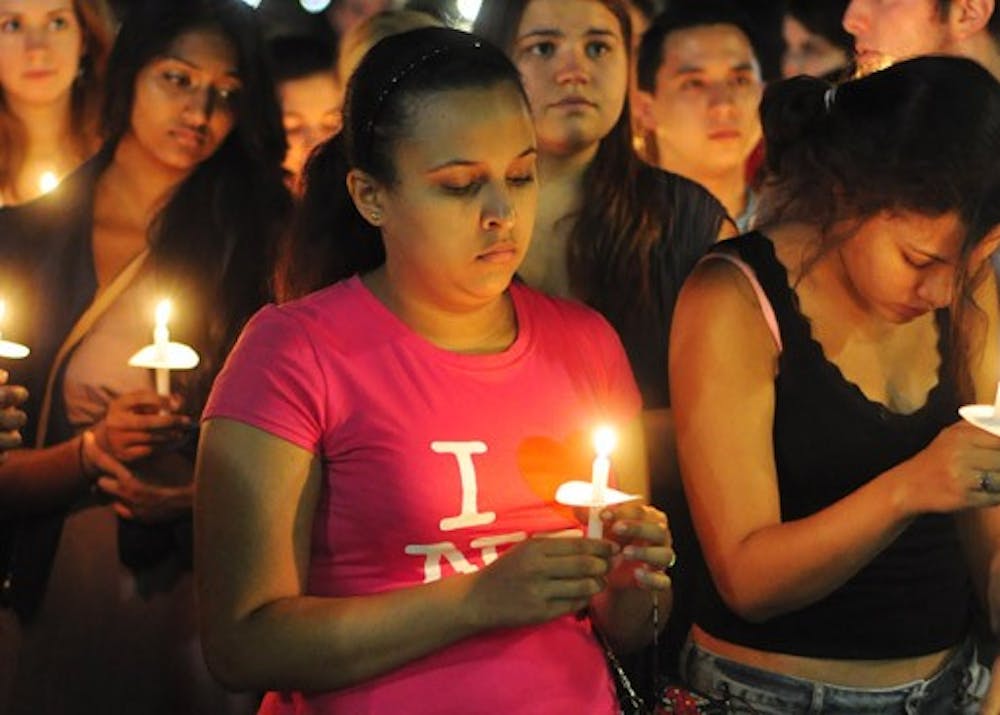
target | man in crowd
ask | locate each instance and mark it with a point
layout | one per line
(699, 86)
(886, 31)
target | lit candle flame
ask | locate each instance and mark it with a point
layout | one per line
(47, 181)
(162, 313)
(161, 334)
(605, 440)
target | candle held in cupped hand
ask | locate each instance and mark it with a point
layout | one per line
(604, 443)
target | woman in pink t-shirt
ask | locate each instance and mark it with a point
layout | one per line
(375, 521)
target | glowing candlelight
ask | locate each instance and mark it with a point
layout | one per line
(9, 349)
(47, 181)
(604, 442)
(164, 355)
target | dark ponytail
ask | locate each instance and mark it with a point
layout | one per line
(329, 239)
(795, 115)
(919, 136)
(792, 112)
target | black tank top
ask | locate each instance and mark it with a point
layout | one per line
(914, 597)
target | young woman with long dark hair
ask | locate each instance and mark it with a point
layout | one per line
(376, 527)
(611, 231)
(843, 507)
(183, 202)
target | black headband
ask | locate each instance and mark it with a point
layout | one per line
(397, 77)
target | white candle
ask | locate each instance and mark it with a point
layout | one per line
(161, 338)
(604, 442)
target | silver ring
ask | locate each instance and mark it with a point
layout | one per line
(987, 483)
(673, 560)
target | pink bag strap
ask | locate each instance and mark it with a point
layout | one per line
(765, 305)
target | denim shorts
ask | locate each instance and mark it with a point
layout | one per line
(957, 688)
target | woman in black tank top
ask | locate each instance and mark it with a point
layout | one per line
(816, 373)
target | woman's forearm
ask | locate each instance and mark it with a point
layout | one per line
(314, 643)
(786, 566)
(626, 616)
(33, 481)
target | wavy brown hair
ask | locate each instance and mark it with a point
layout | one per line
(922, 136)
(97, 27)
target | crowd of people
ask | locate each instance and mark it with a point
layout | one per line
(419, 265)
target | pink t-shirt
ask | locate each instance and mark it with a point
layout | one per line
(434, 463)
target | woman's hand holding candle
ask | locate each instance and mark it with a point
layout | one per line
(537, 580)
(137, 423)
(132, 496)
(137, 498)
(646, 544)
(638, 592)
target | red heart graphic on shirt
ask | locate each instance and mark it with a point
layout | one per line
(545, 463)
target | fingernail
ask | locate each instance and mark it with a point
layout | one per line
(619, 528)
(607, 515)
(629, 552)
